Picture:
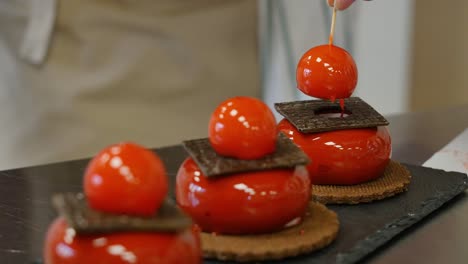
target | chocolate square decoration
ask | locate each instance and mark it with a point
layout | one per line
(310, 116)
(286, 155)
(85, 220)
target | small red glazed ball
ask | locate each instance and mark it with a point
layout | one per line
(243, 203)
(63, 246)
(327, 72)
(126, 179)
(243, 127)
(343, 157)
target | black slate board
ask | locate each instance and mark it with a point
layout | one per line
(364, 228)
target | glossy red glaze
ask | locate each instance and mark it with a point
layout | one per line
(327, 72)
(62, 246)
(343, 157)
(244, 203)
(243, 127)
(126, 178)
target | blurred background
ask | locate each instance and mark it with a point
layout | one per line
(78, 75)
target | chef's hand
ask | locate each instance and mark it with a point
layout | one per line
(341, 4)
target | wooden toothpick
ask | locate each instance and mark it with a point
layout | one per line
(332, 29)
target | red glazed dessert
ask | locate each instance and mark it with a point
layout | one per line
(63, 246)
(242, 127)
(249, 202)
(343, 157)
(327, 72)
(123, 179)
(244, 203)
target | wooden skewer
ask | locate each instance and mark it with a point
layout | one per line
(332, 29)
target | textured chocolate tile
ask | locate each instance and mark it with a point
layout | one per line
(74, 208)
(286, 155)
(309, 116)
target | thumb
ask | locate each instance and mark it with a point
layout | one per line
(341, 4)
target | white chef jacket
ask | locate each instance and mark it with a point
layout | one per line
(148, 71)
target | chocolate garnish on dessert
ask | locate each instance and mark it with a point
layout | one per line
(85, 220)
(286, 155)
(308, 116)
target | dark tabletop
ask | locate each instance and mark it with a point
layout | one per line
(25, 211)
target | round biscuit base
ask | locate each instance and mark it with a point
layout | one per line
(394, 180)
(318, 229)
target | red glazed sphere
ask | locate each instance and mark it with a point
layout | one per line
(126, 179)
(343, 157)
(243, 127)
(62, 246)
(327, 72)
(244, 203)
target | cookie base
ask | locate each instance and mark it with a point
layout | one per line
(317, 230)
(395, 179)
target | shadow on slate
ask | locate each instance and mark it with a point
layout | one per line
(447, 206)
(364, 228)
